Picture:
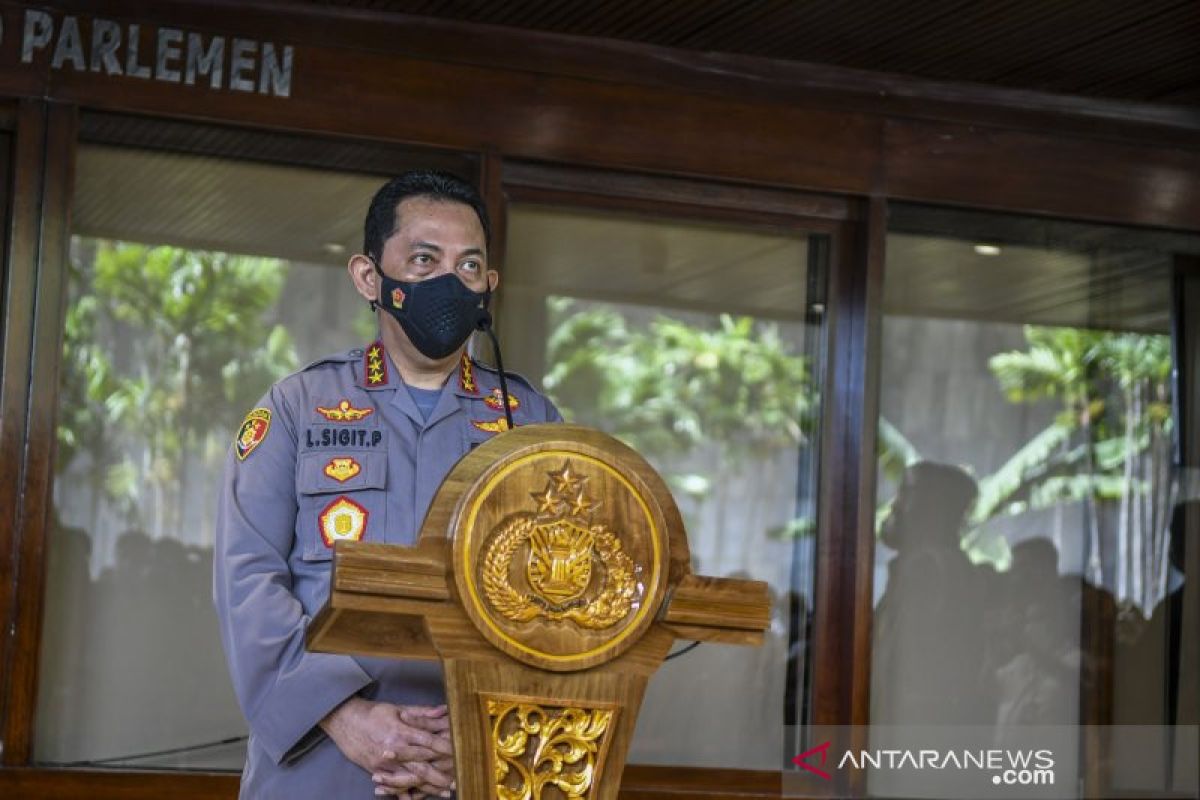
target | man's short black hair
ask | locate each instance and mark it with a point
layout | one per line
(434, 184)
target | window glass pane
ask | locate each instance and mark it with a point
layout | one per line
(193, 284)
(1027, 551)
(698, 345)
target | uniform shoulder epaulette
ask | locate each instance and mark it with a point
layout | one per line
(336, 358)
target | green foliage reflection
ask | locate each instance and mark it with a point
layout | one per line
(164, 349)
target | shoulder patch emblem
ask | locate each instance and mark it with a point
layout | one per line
(494, 402)
(499, 426)
(344, 412)
(375, 365)
(466, 376)
(253, 431)
(342, 469)
(342, 520)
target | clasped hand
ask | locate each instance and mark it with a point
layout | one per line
(407, 749)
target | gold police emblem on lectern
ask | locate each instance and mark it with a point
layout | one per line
(574, 569)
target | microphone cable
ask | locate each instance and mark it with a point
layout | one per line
(484, 323)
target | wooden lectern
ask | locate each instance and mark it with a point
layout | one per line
(551, 576)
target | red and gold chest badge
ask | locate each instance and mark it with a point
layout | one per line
(493, 401)
(344, 412)
(375, 365)
(499, 426)
(397, 298)
(253, 431)
(342, 469)
(342, 520)
(466, 376)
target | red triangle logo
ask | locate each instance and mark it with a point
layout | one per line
(823, 749)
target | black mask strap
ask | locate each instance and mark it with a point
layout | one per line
(373, 302)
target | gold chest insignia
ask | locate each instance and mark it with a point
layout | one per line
(494, 402)
(343, 519)
(573, 568)
(489, 426)
(342, 469)
(344, 412)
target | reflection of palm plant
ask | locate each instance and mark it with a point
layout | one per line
(1108, 448)
(163, 347)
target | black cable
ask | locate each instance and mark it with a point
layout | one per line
(191, 748)
(684, 651)
(485, 324)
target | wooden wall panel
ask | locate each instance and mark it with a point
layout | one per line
(751, 122)
(113, 785)
(1029, 172)
(520, 115)
(811, 85)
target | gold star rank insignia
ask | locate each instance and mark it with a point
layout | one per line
(466, 376)
(375, 365)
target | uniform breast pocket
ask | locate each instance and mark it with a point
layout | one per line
(342, 497)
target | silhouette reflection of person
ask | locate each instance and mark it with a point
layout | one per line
(929, 637)
(1036, 667)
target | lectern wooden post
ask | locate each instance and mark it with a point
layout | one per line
(551, 577)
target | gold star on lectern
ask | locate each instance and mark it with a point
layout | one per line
(548, 501)
(565, 481)
(582, 504)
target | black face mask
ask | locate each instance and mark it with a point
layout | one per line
(438, 314)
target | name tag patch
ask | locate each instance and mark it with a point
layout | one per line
(329, 436)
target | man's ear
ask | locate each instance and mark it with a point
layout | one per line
(365, 278)
(493, 278)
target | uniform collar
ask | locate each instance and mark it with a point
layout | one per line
(376, 371)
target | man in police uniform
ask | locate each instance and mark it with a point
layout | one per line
(354, 447)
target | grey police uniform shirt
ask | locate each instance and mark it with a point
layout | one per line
(338, 450)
